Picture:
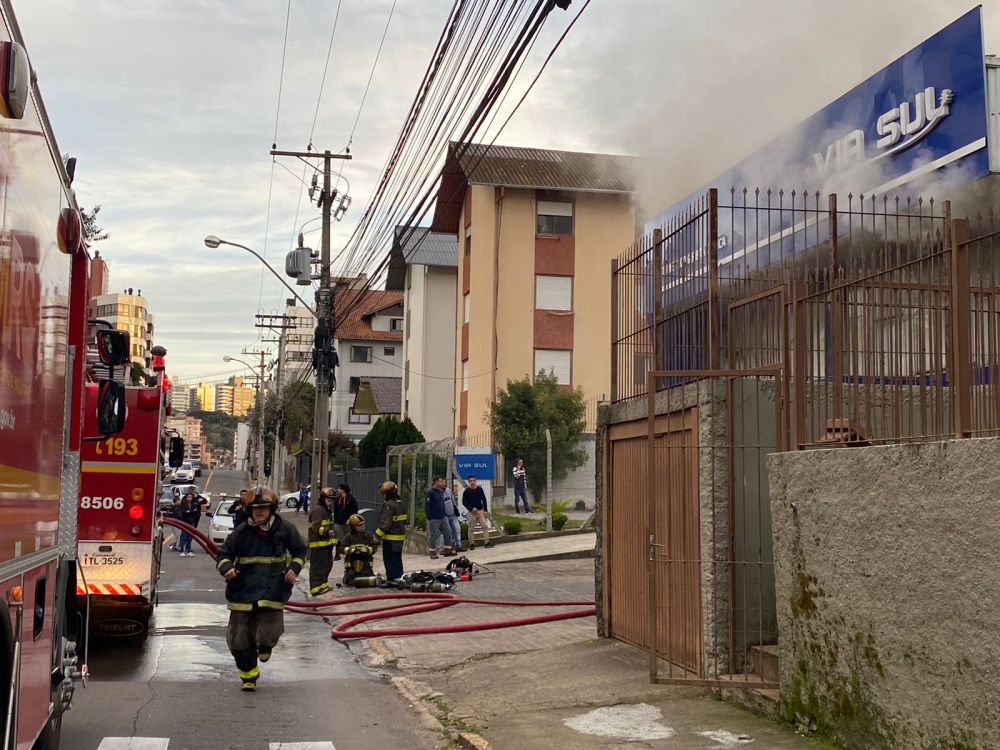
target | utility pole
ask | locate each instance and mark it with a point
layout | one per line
(280, 324)
(324, 356)
(260, 413)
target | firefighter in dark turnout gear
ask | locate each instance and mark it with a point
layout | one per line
(260, 561)
(392, 530)
(321, 543)
(358, 550)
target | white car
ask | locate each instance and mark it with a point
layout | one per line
(221, 523)
(288, 500)
(184, 474)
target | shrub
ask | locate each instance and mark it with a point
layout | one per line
(559, 520)
(559, 507)
(419, 520)
(511, 527)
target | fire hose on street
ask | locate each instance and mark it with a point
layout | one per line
(404, 604)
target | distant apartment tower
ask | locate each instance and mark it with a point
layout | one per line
(205, 397)
(190, 428)
(536, 232)
(234, 398)
(180, 398)
(423, 265)
(128, 311)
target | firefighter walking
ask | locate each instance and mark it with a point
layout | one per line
(260, 561)
(392, 530)
(321, 543)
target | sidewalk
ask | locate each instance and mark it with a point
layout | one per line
(551, 685)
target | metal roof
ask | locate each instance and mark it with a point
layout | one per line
(532, 168)
(379, 395)
(426, 248)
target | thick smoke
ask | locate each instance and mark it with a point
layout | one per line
(695, 88)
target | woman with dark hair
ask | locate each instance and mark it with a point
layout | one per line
(344, 506)
(190, 513)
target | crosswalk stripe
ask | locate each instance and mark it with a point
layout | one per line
(302, 746)
(134, 743)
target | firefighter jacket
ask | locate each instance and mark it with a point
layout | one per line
(262, 559)
(357, 540)
(392, 521)
(320, 529)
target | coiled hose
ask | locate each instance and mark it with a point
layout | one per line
(403, 604)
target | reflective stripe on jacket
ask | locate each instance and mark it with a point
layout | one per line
(262, 561)
(360, 541)
(320, 532)
(392, 521)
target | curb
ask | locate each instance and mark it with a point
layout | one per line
(411, 692)
(572, 555)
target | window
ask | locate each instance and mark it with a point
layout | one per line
(406, 376)
(553, 292)
(554, 218)
(389, 351)
(468, 239)
(38, 620)
(555, 361)
(361, 354)
(395, 324)
(465, 375)
(355, 383)
(353, 418)
(466, 304)
(407, 325)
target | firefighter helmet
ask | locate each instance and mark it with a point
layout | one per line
(264, 496)
(388, 487)
(355, 520)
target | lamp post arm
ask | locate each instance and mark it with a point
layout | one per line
(276, 275)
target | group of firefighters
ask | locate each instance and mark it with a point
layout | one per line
(263, 556)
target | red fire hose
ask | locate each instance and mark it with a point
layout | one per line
(404, 604)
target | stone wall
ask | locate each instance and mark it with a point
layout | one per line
(887, 567)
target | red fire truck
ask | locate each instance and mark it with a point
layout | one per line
(44, 270)
(120, 538)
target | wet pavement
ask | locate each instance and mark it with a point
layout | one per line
(181, 684)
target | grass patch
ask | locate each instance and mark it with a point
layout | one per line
(532, 524)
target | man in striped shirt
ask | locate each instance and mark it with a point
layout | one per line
(521, 486)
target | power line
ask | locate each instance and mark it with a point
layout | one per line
(281, 75)
(371, 75)
(326, 67)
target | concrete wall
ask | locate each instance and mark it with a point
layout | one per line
(888, 587)
(429, 349)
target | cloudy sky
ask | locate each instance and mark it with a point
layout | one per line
(169, 106)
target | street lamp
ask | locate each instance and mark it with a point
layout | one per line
(260, 410)
(213, 242)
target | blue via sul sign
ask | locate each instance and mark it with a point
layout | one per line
(480, 465)
(923, 113)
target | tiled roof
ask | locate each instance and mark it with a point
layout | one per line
(378, 395)
(353, 317)
(535, 168)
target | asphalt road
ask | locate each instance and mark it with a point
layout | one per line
(180, 689)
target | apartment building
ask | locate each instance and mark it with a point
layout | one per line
(369, 342)
(180, 398)
(128, 311)
(423, 266)
(204, 397)
(235, 397)
(190, 428)
(536, 232)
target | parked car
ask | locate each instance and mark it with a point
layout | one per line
(289, 500)
(196, 465)
(167, 495)
(221, 522)
(185, 473)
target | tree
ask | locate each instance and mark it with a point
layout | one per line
(342, 450)
(385, 432)
(219, 428)
(137, 375)
(92, 232)
(522, 412)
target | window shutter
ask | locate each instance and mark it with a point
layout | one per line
(554, 208)
(557, 361)
(468, 307)
(553, 292)
(465, 375)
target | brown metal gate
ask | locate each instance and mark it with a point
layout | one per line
(709, 568)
